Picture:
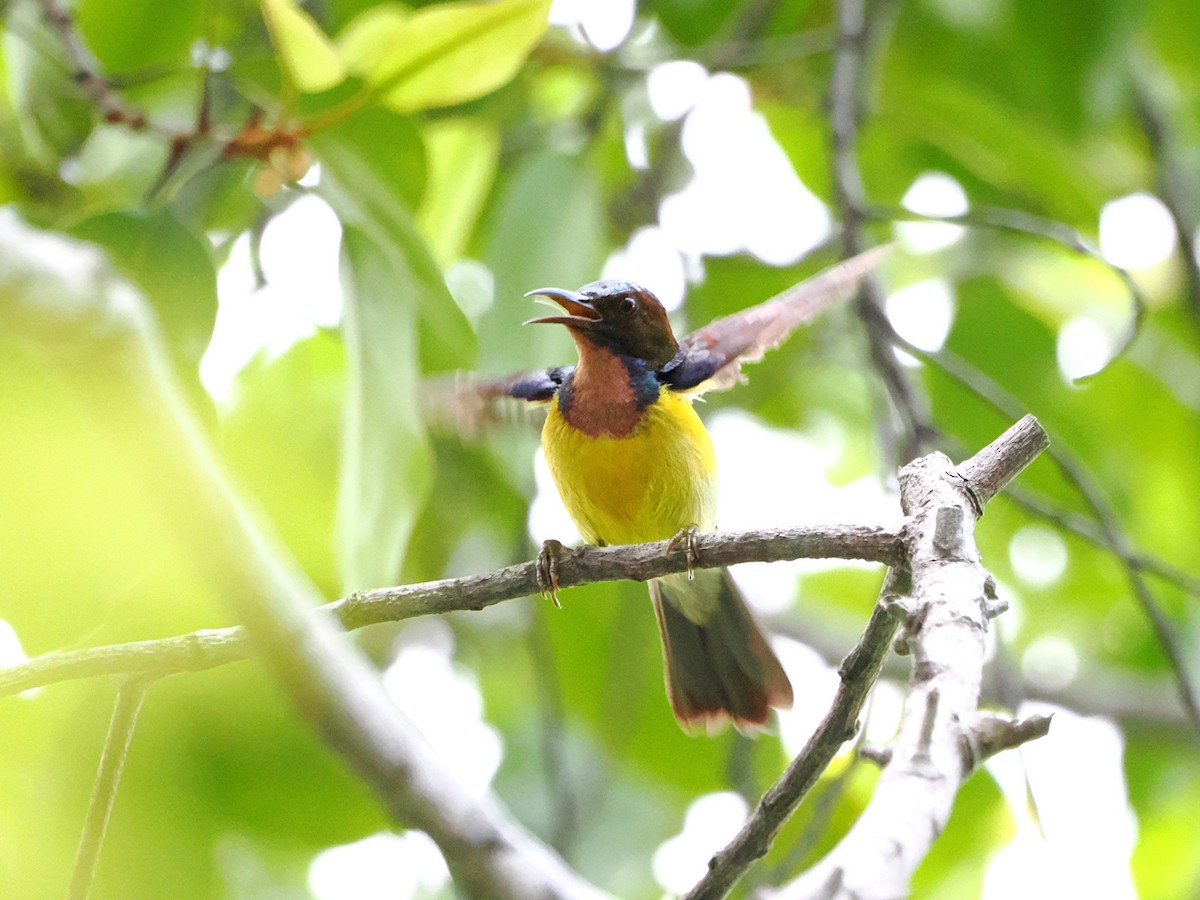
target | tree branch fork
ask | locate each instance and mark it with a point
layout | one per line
(937, 596)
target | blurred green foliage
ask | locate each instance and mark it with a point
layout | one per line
(470, 131)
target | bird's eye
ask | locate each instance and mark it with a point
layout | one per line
(627, 305)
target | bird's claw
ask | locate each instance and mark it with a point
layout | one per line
(547, 570)
(690, 538)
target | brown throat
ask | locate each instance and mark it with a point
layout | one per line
(601, 401)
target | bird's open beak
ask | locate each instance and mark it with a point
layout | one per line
(580, 312)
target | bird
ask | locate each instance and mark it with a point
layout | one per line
(633, 463)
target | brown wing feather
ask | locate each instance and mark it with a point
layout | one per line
(713, 355)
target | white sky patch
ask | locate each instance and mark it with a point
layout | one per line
(932, 194)
(651, 260)
(744, 194)
(444, 702)
(383, 866)
(1038, 555)
(971, 15)
(922, 313)
(76, 263)
(674, 87)
(1136, 231)
(637, 151)
(472, 285)
(602, 26)
(1051, 662)
(786, 486)
(1083, 347)
(709, 824)
(299, 258)
(311, 178)
(806, 667)
(1078, 782)
(548, 518)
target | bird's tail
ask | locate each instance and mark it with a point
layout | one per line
(718, 665)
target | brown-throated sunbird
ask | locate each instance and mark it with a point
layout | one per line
(633, 463)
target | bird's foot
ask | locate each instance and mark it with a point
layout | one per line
(690, 538)
(547, 570)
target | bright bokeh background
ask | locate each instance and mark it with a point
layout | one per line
(684, 146)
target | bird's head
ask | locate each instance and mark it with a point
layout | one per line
(618, 315)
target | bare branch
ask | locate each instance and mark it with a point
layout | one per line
(989, 470)
(992, 734)
(108, 779)
(1021, 222)
(1131, 698)
(948, 587)
(210, 648)
(86, 71)
(941, 735)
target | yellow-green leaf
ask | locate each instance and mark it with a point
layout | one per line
(441, 55)
(306, 53)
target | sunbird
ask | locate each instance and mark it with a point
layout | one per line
(633, 463)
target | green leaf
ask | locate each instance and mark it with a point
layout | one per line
(463, 154)
(306, 53)
(173, 268)
(442, 55)
(300, 394)
(692, 22)
(546, 229)
(371, 161)
(136, 35)
(399, 321)
(386, 459)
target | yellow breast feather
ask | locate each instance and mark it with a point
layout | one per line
(644, 487)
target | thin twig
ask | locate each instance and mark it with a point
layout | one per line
(86, 71)
(846, 89)
(1172, 177)
(1073, 470)
(1091, 531)
(108, 779)
(1021, 222)
(209, 648)
(857, 672)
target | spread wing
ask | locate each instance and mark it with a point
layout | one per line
(465, 405)
(535, 387)
(711, 358)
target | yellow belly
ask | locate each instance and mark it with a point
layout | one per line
(644, 487)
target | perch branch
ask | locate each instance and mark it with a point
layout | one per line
(210, 648)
